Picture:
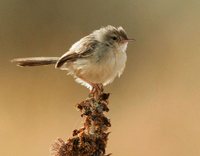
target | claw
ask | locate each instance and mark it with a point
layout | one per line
(96, 91)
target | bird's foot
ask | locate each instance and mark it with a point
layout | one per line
(97, 90)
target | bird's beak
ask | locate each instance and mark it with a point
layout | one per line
(127, 40)
(130, 39)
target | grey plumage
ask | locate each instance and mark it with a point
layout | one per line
(97, 58)
(35, 61)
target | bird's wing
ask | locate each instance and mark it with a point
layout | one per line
(81, 49)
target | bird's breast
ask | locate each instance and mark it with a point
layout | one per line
(102, 67)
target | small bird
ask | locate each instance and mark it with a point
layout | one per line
(94, 61)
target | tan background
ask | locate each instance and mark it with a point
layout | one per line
(155, 107)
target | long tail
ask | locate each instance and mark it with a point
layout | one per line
(35, 61)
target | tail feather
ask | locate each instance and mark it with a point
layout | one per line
(35, 61)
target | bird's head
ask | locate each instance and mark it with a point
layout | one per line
(113, 37)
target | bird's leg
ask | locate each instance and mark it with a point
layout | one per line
(100, 87)
(97, 89)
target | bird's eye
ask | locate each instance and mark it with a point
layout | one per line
(114, 37)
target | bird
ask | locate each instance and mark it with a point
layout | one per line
(94, 61)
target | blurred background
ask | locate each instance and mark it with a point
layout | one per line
(154, 106)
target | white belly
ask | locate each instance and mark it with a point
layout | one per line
(89, 70)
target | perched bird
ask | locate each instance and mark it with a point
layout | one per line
(94, 61)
